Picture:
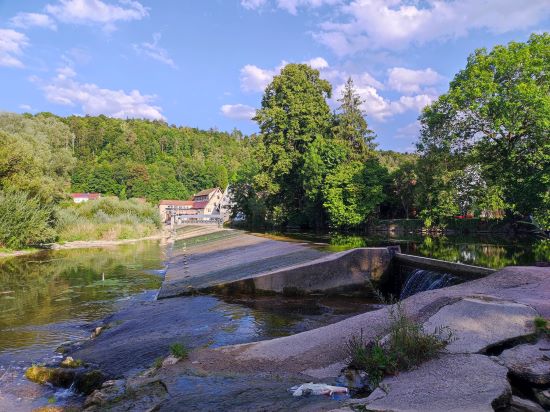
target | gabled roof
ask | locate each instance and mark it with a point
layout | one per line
(176, 203)
(207, 191)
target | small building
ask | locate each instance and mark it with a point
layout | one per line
(84, 197)
(208, 201)
(204, 204)
(169, 208)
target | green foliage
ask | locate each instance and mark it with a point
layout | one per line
(405, 346)
(24, 221)
(107, 218)
(541, 326)
(496, 114)
(179, 350)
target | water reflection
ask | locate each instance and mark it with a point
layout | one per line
(44, 297)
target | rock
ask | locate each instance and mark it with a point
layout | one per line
(109, 392)
(481, 322)
(69, 362)
(450, 383)
(56, 376)
(354, 380)
(530, 363)
(543, 397)
(518, 404)
(169, 361)
(87, 381)
(96, 332)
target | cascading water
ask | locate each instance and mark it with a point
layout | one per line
(420, 280)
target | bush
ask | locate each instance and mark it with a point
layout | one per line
(107, 219)
(405, 346)
(178, 350)
(24, 221)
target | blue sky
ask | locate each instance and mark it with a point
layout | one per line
(204, 63)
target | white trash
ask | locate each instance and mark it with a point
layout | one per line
(317, 389)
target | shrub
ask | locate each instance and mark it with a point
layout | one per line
(178, 350)
(541, 326)
(25, 221)
(405, 346)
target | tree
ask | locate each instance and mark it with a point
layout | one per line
(497, 114)
(351, 125)
(353, 191)
(294, 113)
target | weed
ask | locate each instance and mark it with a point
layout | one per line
(405, 346)
(178, 350)
(541, 326)
(158, 362)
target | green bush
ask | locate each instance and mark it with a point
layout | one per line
(24, 221)
(178, 350)
(107, 219)
(405, 346)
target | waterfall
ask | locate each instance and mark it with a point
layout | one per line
(420, 280)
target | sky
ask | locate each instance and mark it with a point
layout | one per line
(205, 63)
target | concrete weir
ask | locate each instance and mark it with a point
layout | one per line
(246, 264)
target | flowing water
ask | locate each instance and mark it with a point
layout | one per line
(420, 280)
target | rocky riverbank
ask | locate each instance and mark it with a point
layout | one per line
(496, 362)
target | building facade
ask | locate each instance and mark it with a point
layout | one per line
(205, 205)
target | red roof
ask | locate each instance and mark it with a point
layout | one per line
(176, 202)
(207, 191)
(199, 205)
(86, 195)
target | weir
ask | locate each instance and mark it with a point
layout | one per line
(246, 264)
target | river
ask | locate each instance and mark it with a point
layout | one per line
(53, 297)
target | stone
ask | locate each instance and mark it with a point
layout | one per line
(450, 383)
(169, 361)
(518, 404)
(61, 377)
(69, 362)
(543, 397)
(529, 362)
(481, 322)
(109, 392)
(89, 380)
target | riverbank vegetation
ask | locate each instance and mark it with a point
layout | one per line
(483, 150)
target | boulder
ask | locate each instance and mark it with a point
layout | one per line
(481, 322)
(518, 404)
(543, 397)
(451, 383)
(530, 363)
(110, 391)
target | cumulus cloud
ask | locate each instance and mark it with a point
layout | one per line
(395, 24)
(290, 6)
(154, 51)
(27, 20)
(412, 81)
(409, 131)
(238, 111)
(65, 90)
(11, 47)
(97, 12)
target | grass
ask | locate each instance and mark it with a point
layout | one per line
(179, 351)
(404, 347)
(107, 219)
(541, 326)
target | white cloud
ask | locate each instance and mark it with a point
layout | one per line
(255, 79)
(238, 111)
(317, 63)
(154, 51)
(395, 24)
(27, 20)
(25, 107)
(412, 81)
(65, 90)
(11, 46)
(97, 12)
(409, 131)
(253, 4)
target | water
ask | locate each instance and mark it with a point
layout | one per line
(420, 280)
(483, 250)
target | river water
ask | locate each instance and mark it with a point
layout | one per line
(53, 297)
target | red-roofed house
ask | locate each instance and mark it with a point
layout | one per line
(206, 202)
(84, 197)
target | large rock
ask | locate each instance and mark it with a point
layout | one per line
(451, 383)
(481, 322)
(530, 363)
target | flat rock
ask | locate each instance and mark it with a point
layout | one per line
(530, 363)
(451, 383)
(481, 322)
(518, 404)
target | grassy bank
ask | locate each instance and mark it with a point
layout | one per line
(107, 219)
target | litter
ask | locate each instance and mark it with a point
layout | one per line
(317, 389)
